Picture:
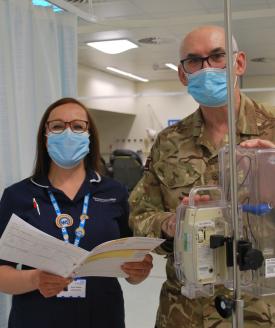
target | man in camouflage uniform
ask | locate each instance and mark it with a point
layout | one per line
(185, 155)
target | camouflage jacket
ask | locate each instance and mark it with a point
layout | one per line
(181, 158)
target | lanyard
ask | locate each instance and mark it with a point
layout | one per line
(65, 220)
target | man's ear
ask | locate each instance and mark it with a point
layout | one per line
(181, 75)
(240, 66)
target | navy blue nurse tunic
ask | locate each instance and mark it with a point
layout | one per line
(108, 212)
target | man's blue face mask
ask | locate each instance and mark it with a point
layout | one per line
(67, 149)
(208, 86)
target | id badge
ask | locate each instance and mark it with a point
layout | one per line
(77, 288)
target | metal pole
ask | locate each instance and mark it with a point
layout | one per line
(237, 317)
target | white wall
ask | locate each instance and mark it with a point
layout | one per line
(112, 102)
(154, 107)
(261, 82)
(123, 109)
(99, 90)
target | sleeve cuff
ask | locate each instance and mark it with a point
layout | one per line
(167, 246)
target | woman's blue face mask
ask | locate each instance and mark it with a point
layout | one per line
(67, 149)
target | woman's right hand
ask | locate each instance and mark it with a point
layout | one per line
(49, 284)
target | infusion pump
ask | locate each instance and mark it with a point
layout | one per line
(197, 264)
(203, 243)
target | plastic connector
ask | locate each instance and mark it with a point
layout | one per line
(259, 209)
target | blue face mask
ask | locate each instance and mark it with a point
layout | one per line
(208, 87)
(67, 149)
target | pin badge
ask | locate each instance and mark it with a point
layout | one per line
(80, 232)
(64, 221)
(84, 217)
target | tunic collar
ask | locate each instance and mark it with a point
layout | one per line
(92, 178)
(43, 182)
(246, 124)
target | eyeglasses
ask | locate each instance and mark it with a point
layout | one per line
(58, 126)
(194, 64)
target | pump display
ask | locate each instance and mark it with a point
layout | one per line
(204, 231)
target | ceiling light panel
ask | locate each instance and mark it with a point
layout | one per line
(112, 46)
(172, 66)
(118, 71)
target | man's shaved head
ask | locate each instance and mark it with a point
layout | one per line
(202, 40)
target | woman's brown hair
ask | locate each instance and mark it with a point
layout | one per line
(43, 160)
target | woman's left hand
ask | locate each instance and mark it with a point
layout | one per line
(138, 271)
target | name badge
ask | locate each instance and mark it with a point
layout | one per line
(76, 288)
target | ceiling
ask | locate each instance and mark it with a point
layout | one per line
(165, 23)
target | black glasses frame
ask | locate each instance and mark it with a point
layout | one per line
(203, 59)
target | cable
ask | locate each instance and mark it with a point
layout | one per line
(244, 179)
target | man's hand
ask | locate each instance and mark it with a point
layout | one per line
(198, 199)
(49, 284)
(138, 271)
(168, 226)
(257, 143)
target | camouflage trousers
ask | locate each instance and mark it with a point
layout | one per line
(177, 311)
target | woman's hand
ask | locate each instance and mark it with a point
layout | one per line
(50, 284)
(138, 271)
(257, 143)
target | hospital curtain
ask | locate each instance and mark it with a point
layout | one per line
(38, 65)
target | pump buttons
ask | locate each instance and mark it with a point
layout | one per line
(200, 236)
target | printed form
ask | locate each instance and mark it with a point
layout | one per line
(24, 244)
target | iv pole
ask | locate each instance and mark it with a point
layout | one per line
(237, 315)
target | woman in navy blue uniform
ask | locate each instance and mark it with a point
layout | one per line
(67, 198)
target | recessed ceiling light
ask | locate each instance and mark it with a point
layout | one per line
(112, 46)
(118, 71)
(264, 60)
(155, 40)
(172, 66)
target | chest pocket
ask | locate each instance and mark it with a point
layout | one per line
(177, 177)
(106, 209)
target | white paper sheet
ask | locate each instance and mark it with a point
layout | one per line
(24, 244)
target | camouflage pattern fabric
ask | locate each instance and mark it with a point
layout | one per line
(180, 159)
